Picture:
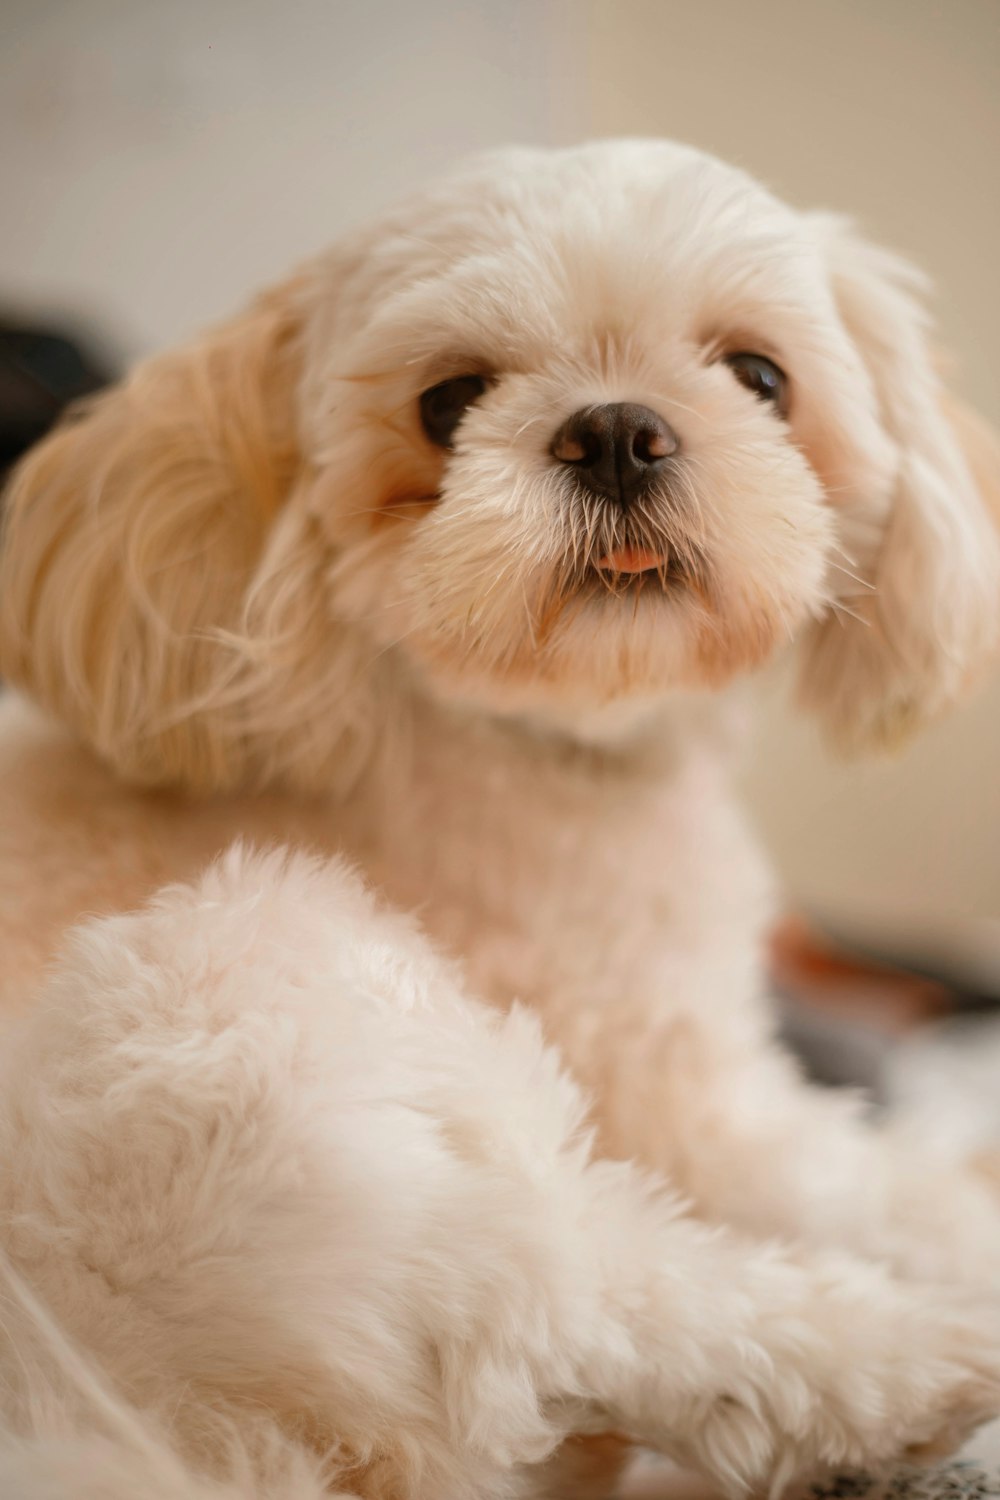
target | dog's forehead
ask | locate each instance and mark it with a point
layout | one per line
(620, 187)
(525, 246)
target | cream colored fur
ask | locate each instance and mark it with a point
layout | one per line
(293, 1204)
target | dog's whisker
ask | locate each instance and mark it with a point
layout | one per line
(672, 401)
(555, 404)
(862, 582)
(840, 608)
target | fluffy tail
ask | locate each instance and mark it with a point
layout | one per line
(65, 1434)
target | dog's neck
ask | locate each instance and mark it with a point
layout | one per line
(498, 832)
(441, 764)
(644, 737)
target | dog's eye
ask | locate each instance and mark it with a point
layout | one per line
(444, 406)
(761, 376)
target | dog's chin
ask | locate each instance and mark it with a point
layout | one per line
(612, 649)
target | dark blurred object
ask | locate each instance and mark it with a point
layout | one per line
(850, 999)
(41, 371)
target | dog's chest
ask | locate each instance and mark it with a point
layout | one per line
(562, 887)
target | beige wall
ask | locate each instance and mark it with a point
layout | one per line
(159, 159)
(890, 110)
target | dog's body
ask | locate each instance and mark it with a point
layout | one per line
(314, 624)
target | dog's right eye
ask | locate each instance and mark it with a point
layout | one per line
(444, 406)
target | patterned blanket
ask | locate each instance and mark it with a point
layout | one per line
(974, 1474)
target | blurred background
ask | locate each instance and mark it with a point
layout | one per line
(159, 161)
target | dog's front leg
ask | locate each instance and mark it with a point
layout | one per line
(755, 1363)
(716, 1104)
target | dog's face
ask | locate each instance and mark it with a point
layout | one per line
(570, 421)
(573, 430)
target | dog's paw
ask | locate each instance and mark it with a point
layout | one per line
(952, 1385)
(858, 1386)
(914, 1379)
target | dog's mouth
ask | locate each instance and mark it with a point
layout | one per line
(631, 559)
(639, 549)
(634, 568)
(637, 573)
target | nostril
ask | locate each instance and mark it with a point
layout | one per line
(654, 442)
(568, 449)
(582, 439)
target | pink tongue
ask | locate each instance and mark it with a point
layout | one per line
(632, 560)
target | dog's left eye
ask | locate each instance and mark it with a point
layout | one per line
(762, 376)
(444, 406)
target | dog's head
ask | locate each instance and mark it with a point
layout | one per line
(573, 429)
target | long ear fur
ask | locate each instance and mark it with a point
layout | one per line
(131, 535)
(932, 611)
(981, 446)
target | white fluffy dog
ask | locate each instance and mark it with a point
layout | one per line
(443, 557)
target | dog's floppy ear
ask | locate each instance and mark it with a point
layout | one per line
(929, 610)
(131, 534)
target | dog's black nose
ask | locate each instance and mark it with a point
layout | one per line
(615, 450)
